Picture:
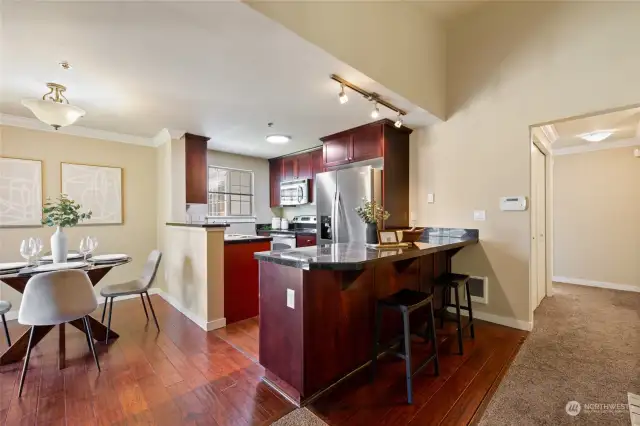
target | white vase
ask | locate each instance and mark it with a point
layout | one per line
(59, 248)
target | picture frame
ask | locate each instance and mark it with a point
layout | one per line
(387, 238)
(21, 192)
(96, 188)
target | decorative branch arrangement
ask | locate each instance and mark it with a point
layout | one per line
(372, 212)
(63, 212)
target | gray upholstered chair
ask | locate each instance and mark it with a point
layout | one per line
(55, 298)
(4, 308)
(138, 286)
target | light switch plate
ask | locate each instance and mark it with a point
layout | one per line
(291, 299)
(431, 198)
(479, 215)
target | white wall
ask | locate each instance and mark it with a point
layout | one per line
(512, 65)
(597, 216)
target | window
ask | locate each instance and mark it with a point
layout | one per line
(230, 192)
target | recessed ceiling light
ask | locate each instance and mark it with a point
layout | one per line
(598, 136)
(278, 138)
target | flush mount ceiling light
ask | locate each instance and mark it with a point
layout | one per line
(343, 96)
(278, 138)
(598, 136)
(370, 96)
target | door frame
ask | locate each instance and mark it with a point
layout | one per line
(538, 140)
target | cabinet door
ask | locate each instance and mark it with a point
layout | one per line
(317, 163)
(289, 168)
(304, 166)
(196, 169)
(337, 151)
(275, 177)
(367, 143)
(305, 240)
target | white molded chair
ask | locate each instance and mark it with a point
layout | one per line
(55, 298)
(139, 286)
(4, 308)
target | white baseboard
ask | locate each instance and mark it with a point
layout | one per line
(600, 284)
(507, 322)
(206, 326)
(200, 322)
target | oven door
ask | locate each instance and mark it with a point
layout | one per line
(283, 241)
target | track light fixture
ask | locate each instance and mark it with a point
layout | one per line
(375, 113)
(343, 96)
(370, 96)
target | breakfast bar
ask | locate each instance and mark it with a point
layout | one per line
(317, 305)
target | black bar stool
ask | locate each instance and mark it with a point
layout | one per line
(406, 301)
(454, 281)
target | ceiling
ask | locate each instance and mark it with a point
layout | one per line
(624, 125)
(218, 69)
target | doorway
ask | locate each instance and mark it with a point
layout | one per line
(538, 225)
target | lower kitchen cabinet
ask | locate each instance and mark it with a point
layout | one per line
(305, 240)
(241, 290)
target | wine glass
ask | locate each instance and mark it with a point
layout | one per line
(27, 249)
(93, 244)
(84, 247)
(39, 245)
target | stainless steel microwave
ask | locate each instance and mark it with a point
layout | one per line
(294, 192)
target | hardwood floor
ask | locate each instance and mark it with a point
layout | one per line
(184, 376)
(179, 376)
(456, 397)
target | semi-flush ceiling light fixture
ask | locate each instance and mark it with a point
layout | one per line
(54, 109)
(375, 113)
(371, 96)
(398, 122)
(278, 138)
(343, 96)
(598, 136)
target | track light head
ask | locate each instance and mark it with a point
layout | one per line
(398, 122)
(376, 112)
(343, 96)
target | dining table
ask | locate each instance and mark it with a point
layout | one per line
(18, 281)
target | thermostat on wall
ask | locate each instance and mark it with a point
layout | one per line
(518, 203)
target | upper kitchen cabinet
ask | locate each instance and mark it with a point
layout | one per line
(377, 140)
(304, 166)
(275, 177)
(317, 162)
(337, 150)
(196, 168)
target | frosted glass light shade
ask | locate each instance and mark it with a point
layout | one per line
(54, 114)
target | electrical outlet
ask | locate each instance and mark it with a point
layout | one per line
(291, 298)
(479, 215)
(431, 198)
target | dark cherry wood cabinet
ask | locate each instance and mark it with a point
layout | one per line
(298, 166)
(383, 140)
(195, 168)
(337, 151)
(275, 177)
(305, 240)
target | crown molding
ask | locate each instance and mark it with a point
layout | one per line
(550, 132)
(598, 146)
(35, 124)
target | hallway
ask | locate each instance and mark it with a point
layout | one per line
(585, 347)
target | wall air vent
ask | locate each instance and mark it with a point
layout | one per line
(479, 289)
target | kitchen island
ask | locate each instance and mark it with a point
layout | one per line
(317, 305)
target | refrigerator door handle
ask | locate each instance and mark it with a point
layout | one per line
(338, 224)
(334, 218)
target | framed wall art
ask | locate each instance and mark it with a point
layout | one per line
(21, 191)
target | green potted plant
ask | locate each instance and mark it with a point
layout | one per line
(61, 213)
(371, 213)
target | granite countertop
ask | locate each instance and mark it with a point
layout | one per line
(357, 256)
(199, 225)
(244, 239)
(311, 231)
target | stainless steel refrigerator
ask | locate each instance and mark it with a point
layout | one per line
(338, 193)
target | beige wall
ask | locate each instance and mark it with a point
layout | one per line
(597, 216)
(398, 44)
(511, 65)
(136, 237)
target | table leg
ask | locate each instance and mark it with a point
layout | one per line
(61, 347)
(98, 330)
(18, 350)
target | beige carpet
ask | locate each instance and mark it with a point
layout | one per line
(585, 347)
(300, 417)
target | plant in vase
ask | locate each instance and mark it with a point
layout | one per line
(62, 213)
(371, 213)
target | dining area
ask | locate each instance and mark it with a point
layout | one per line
(57, 288)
